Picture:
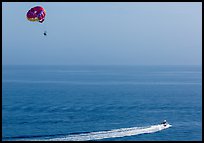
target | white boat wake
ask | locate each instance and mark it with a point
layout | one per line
(112, 133)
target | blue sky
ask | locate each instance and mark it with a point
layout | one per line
(103, 34)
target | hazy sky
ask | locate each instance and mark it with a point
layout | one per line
(103, 34)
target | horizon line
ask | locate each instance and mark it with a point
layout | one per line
(101, 65)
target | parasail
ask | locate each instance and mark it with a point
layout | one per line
(36, 13)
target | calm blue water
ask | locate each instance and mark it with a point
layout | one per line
(53, 101)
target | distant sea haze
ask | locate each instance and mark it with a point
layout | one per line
(106, 103)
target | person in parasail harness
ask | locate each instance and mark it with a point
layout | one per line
(45, 33)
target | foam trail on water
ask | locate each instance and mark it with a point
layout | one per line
(112, 133)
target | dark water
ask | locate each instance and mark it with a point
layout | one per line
(53, 101)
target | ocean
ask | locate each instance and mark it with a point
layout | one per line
(106, 103)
